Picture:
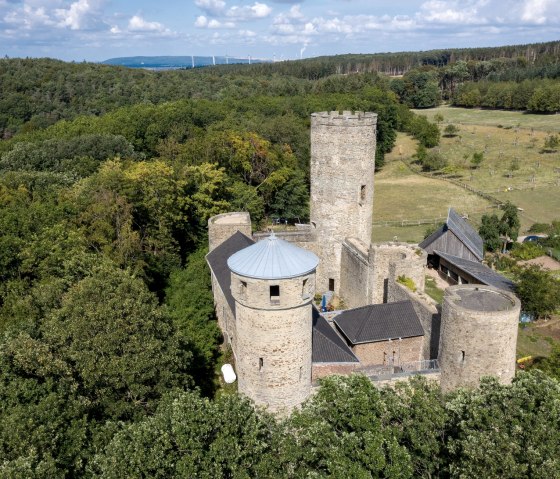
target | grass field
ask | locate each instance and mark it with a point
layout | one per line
(536, 339)
(514, 168)
(468, 116)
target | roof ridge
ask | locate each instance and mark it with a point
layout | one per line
(332, 342)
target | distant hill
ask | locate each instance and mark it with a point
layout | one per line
(174, 62)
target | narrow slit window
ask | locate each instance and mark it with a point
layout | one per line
(261, 364)
(243, 288)
(275, 294)
(462, 356)
(305, 289)
(362, 194)
(300, 372)
(331, 284)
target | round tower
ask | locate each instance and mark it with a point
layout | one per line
(478, 335)
(273, 284)
(342, 168)
(222, 227)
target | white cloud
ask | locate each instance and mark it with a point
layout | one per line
(452, 12)
(76, 16)
(138, 24)
(534, 11)
(211, 7)
(204, 22)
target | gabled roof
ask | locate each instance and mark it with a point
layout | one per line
(480, 271)
(273, 258)
(466, 233)
(328, 346)
(217, 260)
(379, 322)
(460, 228)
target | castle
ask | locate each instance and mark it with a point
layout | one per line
(264, 288)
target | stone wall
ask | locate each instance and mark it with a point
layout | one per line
(341, 171)
(427, 310)
(222, 227)
(478, 335)
(321, 370)
(395, 259)
(274, 340)
(354, 273)
(395, 352)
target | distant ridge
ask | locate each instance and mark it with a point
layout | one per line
(174, 62)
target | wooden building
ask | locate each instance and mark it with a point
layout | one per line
(456, 238)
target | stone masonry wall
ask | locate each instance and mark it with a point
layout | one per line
(478, 336)
(341, 171)
(396, 258)
(428, 312)
(395, 352)
(321, 370)
(222, 227)
(273, 352)
(354, 273)
(224, 314)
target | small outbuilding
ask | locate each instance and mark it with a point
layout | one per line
(456, 237)
(383, 334)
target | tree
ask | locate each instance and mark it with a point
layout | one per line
(434, 161)
(521, 421)
(190, 436)
(477, 159)
(340, 433)
(190, 304)
(551, 143)
(450, 130)
(490, 232)
(509, 222)
(538, 291)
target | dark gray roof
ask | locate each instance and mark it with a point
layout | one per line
(379, 322)
(480, 271)
(464, 232)
(328, 346)
(217, 260)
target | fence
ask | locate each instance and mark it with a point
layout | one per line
(385, 372)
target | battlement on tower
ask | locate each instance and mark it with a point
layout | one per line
(346, 118)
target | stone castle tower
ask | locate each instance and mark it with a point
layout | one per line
(478, 335)
(273, 284)
(341, 170)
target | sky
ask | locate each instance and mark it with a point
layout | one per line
(95, 30)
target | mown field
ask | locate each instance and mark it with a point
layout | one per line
(514, 168)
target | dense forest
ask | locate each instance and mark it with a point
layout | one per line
(108, 343)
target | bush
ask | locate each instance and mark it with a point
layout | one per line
(538, 291)
(434, 161)
(526, 251)
(450, 130)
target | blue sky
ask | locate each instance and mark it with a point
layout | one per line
(95, 30)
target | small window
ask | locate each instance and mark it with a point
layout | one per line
(243, 288)
(300, 372)
(462, 356)
(331, 284)
(275, 294)
(362, 194)
(305, 289)
(261, 364)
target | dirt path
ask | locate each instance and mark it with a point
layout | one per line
(545, 262)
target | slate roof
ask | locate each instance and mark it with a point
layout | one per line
(379, 322)
(466, 233)
(217, 260)
(273, 258)
(328, 346)
(480, 271)
(462, 229)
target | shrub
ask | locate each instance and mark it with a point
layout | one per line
(525, 251)
(408, 282)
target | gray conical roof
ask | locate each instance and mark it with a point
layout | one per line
(272, 258)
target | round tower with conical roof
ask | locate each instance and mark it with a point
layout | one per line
(273, 284)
